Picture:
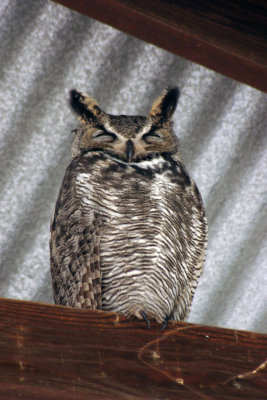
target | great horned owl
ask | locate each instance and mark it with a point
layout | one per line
(129, 231)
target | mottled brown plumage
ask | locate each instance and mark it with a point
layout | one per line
(129, 231)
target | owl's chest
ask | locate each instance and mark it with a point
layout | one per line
(124, 191)
(141, 204)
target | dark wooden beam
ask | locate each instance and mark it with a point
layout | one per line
(228, 36)
(52, 352)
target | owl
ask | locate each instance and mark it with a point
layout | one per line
(129, 231)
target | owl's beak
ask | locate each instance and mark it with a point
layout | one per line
(129, 150)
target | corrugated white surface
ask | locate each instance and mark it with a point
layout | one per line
(45, 50)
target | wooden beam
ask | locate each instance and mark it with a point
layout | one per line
(228, 36)
(52, 352)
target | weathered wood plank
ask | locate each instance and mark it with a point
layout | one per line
(228, 36)
(52, 352)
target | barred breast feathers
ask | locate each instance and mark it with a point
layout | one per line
(151, 257)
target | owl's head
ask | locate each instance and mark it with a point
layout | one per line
(129, 138)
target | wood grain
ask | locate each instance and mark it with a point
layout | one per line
(52, 352)
(228, 36)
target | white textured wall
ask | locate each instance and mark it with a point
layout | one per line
(45, 50)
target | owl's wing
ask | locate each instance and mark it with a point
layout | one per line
(75, 255)
(192, 233)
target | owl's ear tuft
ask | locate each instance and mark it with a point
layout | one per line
(85, 106)
(165, 105)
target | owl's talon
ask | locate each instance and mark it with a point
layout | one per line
(145, 318)
(165, 322)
